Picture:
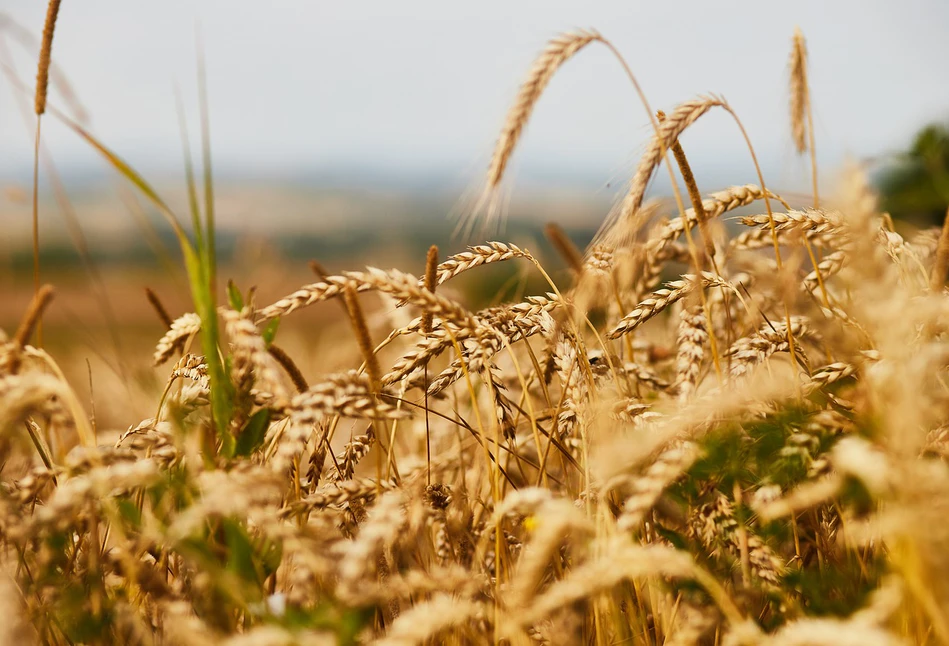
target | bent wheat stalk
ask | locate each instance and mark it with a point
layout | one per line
(42, 84)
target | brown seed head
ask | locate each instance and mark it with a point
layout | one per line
(42, 74)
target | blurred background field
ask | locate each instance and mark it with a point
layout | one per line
(357, 135)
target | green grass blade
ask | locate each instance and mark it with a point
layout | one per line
(129, 173)
(189, 173)
(221, 395)
(211, 250)
(200, 279)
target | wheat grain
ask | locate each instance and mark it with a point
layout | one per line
(748, 352)
(338, 493)
(476, 256)
(826, 268)
(503, 409)
(193, 367)
(814, 220)
(713, 207)
(663, 298)
(181, 330)
(556, 521)
(619, 561)
(829, 374)
(385, 520)
(252, 367)
(352, 453)
(692, 338)
(396, 283)
(348, 394)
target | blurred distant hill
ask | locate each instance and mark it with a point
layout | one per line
(298, 221)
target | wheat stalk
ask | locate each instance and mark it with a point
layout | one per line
(39, 107)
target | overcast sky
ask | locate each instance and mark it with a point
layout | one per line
(415, 87)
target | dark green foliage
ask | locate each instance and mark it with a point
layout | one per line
(234, 296)
(269, 332)
(253, 433)
(915, 185)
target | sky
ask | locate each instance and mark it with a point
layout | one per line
(418, 89)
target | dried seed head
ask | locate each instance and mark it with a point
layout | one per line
(564, 246)
(431, 271)
(628, 215)
(159, 308)
(33, 314)
(799, 91)
(358, 321)
(42, 74)
(181, 329)
(558, 51)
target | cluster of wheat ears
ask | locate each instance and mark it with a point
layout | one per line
(752, 452)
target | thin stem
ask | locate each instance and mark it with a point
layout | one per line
(36, 224)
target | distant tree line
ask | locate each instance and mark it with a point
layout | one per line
(914, 185)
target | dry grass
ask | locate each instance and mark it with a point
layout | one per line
(584, 466)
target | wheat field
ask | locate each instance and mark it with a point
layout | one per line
(702, 437)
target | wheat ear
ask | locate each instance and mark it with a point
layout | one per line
(358, 321)
(798, 92)
(802, 113)
(694, 196)
(564, 246)
(42, 74)
(159, 307)
(558, 51)
(431, 275)
(667, 133)
(33, 314)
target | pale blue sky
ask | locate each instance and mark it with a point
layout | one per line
(417, 87)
